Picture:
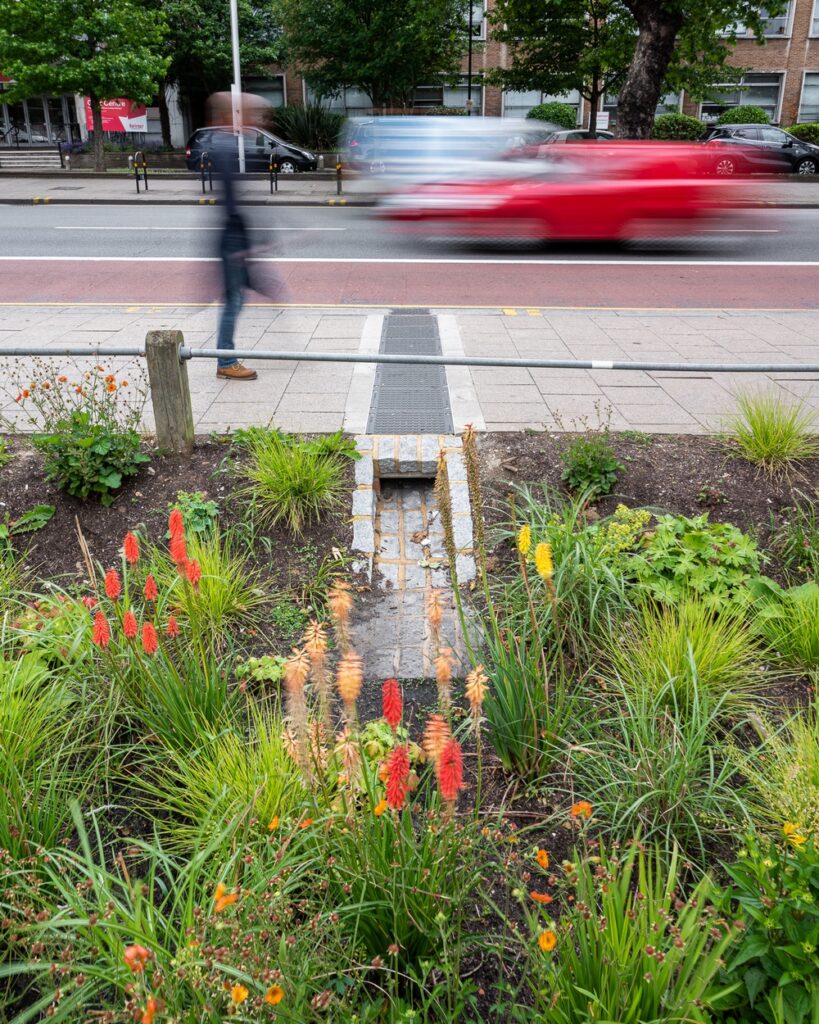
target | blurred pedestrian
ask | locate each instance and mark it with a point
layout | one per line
(234, 240)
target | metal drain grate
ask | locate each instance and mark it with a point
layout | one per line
(410, 399)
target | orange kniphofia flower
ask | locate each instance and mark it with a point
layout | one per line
(136, 957)
(379, 808)
(436, 736)
(151, 589)
(547, 940)
(130, 547)
(178, 550)
(102, 634)
(542, 858)
(315, 639)
(540, 897)
(150, 1010)
(434, 610)
(238, 994)
(476, 687)
(176, 524)
(129, 625)
(349, 678)
(193, 572)
(450, 771)
(222, 898)
(172, 629)
(340, 602)
(274, 995)
(392, 703)
(113, 585)
(296, 670)
(398, 769)
(443, 676)
(149, 638)
(582, 809)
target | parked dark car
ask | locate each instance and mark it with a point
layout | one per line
(260, 148)
(578, 135)
(759, 149)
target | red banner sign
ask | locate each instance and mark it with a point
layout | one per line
(119, 116)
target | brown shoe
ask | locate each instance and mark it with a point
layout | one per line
(236, 372)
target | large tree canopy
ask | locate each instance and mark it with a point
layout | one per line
(103, 49)
(385, 47)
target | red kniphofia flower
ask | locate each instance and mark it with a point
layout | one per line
(176, 524)
(102, 633)
(172, 629)
(151, 591)
(149, 640)
(130, 547)
(113, 585)
(451, 771)
(398, 769)
(129, 625)
(193, 572)
(179, 550)
(392, 703)
(89, 601)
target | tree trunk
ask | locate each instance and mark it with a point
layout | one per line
(641, 91)
(164, 117)
(96, 114)
(594, 103)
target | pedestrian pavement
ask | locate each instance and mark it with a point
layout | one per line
(294, 189)
(315, 397)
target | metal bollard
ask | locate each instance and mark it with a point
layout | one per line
(274, 176)
(140, 164)
(205, 161)
(338, 174)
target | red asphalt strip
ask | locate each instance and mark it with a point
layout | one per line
(423, 284)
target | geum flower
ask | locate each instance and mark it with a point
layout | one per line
(222, 898)
(136, 957)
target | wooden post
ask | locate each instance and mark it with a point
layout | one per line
(170, 393)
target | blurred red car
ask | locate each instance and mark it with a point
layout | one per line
(618, 190)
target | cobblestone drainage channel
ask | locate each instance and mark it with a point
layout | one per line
(398, 541)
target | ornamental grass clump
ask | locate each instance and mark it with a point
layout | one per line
(788, 621)
(775, 432)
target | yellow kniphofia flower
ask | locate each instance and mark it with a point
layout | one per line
(543, 561)
(524, 539)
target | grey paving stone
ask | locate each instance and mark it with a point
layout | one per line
(411, 663)
(389, 573)
(462, 531)
(363, 502)
(465, 568)
(412, 499)
(388, 520)
(413, 520)
(415, 577)
(408, 455)
(364, 471)
(429, 454)
(459, 498)
(389, 546)
(363, 535)
(385, 454)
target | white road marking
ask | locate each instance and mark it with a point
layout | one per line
(108, 227)
(422, 261)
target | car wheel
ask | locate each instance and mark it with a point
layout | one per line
(725, 165)
(287, 167)
(806, 166)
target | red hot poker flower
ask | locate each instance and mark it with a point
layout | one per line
(451, 771)
(179, 550)
(172, 629)
(130, 547)
(129, 625)
(193, 572)
(151, 590)
(113, 586)
(176, 524)
(392, 703)
(149, 640)
(398, 769)
(102, 633)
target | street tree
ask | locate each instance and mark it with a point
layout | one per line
(384, 47)
(557, 46)
(103, 49)
(682, 44)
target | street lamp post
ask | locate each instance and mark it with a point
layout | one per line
(236, 87)
(469, 64)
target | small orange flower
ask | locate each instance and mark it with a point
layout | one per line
(547, 940)
(25, 392)
(150, 1010)
(238, 994)
(62, 379)
(306, 823)
(136, 957)
(582, 809)
(222, 898)
(379, 808)
(274, 995)
(274, 823)
(540, 897)
(543, 859)
(124, 384)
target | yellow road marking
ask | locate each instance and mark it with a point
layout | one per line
(509, 312)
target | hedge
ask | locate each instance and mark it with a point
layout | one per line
(744, 115)
(805, 132)
(677, 128)
(560, 114)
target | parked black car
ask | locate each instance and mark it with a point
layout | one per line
(260, 148)
(578, 135)
(759, 149)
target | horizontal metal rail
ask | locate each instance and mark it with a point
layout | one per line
(417, 360)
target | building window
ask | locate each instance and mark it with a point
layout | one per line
(814, 30)
(809, 107)
(752, 90)
(444, 95)
(478, 19)
(777, 26)
(669, 104)
(518, 104)
(350, 101)
(270, 89)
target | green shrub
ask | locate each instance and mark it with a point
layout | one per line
(445, 112)
(5, 455)
(590, 466)
(560, 114)
(677, 127)
(312, 126)
(631, 947)
(675, 649)
(773, 972)
(199, 514)
(805, 132)
(796, 541)
(685, 556)
(789, 621)
(30, 521)
(293, 482)
(773, 431)
(744, 115)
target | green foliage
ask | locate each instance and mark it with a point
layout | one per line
(368, 45)
(805, 132)
(789, 621)
(293, 482)
(654, 767)
(632, 947)
(30, 521)
(267, 670)
(289, 619)
(744, 115)
(312, 126)
(692, 556)
(637, 437)
(199, 514)
(560, 114)
(773, 969)
(445, 112)
(773, 431)
(590, 466)
(5, 455)
(796, 541)
(677, 128)
(685, 649)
